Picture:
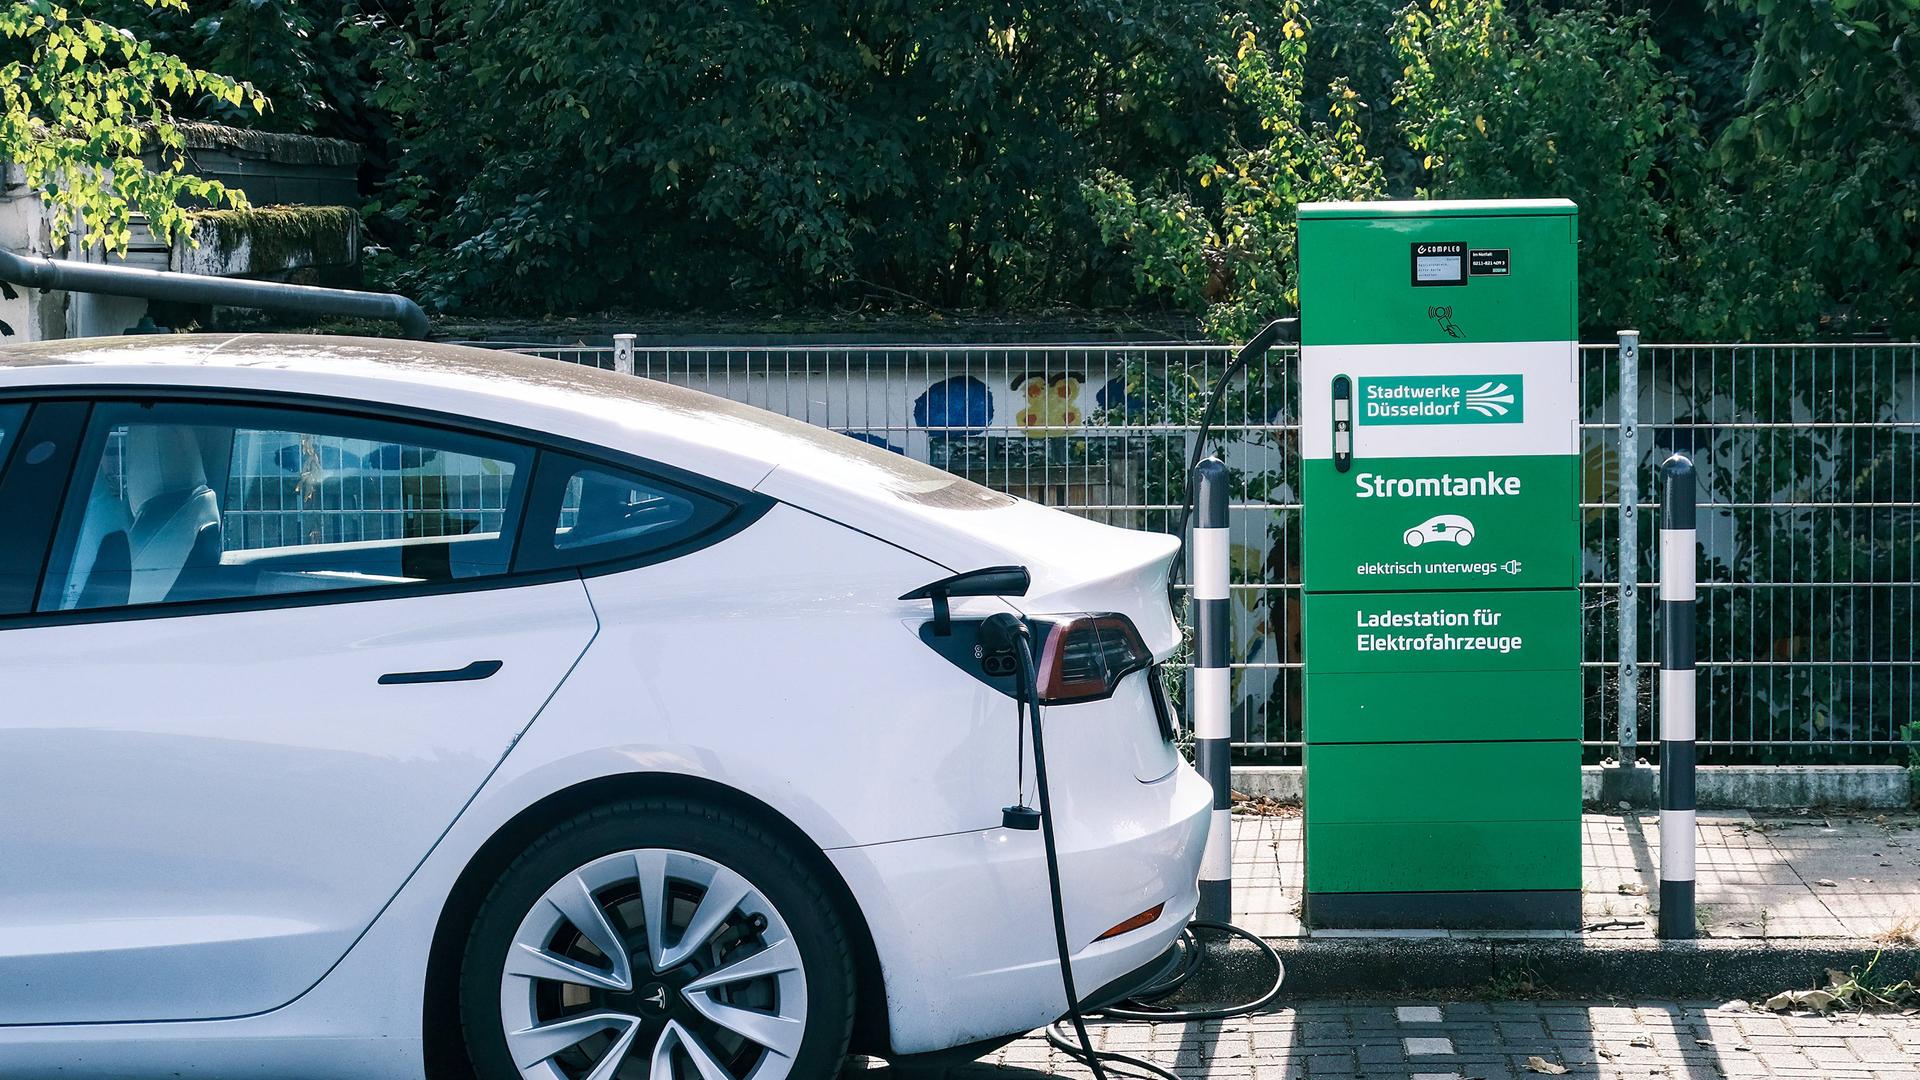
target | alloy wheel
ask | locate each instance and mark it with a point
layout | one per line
(653, 964)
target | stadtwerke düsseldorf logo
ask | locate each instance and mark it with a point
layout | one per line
(1442, 399)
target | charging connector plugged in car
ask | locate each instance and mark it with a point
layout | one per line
(1110, 649)
(1086, 655)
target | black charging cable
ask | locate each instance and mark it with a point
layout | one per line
(1002, 631)
(1274, 333)
(1005, 632)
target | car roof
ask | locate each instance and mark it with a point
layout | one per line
(951, 521)
(724, 439)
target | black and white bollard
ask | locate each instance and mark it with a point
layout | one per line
(1211, 682)
(1677, 755)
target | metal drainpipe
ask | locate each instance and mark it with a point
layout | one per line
(44, 273)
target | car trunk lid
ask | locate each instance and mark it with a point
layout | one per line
(1077, 565)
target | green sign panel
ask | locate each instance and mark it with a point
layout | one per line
(1443, 399)
(1442, 523)
(1442, 818)
(1437, 706)
(1481, 632)
(1358, 274)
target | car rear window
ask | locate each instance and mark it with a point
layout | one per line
(589, 512)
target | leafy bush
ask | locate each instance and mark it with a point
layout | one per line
(571, 153)
(1828, 152)
(1580, 106)
(1745, 168)
(302, 55)
(85, 98)
(1222, 238)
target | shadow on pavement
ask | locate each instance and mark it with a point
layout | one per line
(974, 1070)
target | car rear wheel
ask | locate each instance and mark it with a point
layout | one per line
(657, 940)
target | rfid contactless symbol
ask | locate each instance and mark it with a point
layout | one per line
(1443, 314)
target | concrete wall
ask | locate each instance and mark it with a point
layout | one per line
(29, 315)
(273, 243)
(1721, 787)
(273, 168)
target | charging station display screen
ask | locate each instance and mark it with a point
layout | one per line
(1439, 264)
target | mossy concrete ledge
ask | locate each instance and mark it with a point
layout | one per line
(269, 241)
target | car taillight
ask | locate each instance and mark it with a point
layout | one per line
(1085, 656)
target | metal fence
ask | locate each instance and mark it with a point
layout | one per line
(1809, 529)
(1809, 458)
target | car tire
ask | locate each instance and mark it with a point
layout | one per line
(532, 976)
(1464, 538)
(1415, 538)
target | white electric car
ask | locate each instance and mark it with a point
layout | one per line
(379, 709)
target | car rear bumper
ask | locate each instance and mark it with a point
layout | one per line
(963, 923)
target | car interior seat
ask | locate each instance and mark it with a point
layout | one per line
(97, 577)
(173, 542)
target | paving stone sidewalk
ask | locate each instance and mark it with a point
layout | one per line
(1759, 876)
(1492, 1041)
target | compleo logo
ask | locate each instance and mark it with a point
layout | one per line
(1442, 399)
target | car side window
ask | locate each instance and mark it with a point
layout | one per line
(17, 564)
(177, 502)
(10, 417)
(590, 512)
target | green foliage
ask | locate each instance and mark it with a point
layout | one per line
(1223, 237)
(295, 52)
(1745, 168)
(1911, 733)
(1830, 144)
(571, 153)
(1579, 105)
(83, 100)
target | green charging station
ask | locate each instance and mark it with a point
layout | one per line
(1439, 379)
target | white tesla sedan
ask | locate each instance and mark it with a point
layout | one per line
(379, 709)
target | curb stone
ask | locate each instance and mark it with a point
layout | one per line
(1472, 967)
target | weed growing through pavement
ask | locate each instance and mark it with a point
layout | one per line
(1904, 932)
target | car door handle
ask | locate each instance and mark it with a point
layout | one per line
(479, 669)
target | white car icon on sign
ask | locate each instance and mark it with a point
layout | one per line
(1443, 528)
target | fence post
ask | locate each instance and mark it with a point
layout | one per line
(1211, 682)
(1677, 754)
(623, 353)
(1629, 628)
